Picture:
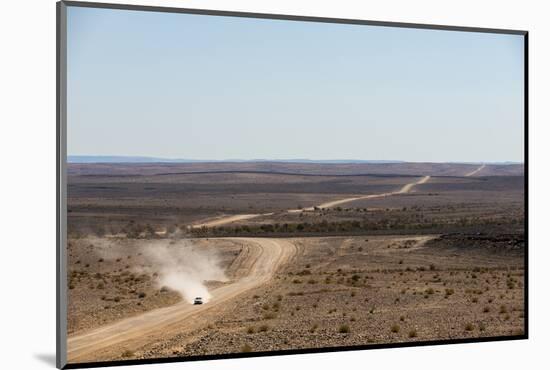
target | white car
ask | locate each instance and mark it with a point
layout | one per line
(198, 300)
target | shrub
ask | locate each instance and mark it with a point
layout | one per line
(469, 327)
(127, 353)
(142, 295)
(269, 316)
(250, 330)
(344, 328)
(412, 334)
(246, 348)
(263, 328)
(395, 328)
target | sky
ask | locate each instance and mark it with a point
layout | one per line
(214, 88)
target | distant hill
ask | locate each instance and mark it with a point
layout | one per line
(138, 159)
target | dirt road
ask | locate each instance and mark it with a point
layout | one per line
(225, 220)
(405, 189)
(264, 258)
(475, 171)
(228, 219)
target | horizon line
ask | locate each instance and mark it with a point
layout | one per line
(154, 159)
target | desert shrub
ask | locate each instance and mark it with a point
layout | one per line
(269, 316)
(469, 327)
(486, 309)
(142, 295)
(263, 328)
(250, 330)
(412, 334)
(344, 328)
(127, 354)
(246, 348)
(395, 328)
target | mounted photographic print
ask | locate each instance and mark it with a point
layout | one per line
(236, 184)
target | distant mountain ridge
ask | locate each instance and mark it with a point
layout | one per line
(138, 159)
(143, 159)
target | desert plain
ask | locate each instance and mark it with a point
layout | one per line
(290, 256)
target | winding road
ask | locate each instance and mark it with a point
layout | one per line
(229, 219)
(265, 257)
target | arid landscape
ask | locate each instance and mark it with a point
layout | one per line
(290, 256)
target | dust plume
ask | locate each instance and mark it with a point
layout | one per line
(184, 267)
(178, 264)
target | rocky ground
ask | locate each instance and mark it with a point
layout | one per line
(345, 291)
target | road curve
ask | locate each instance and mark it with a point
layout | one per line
(266, 257)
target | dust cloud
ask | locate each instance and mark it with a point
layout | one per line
(179, 264)
(184, 267)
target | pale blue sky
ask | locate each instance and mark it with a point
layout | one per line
(209, 87)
